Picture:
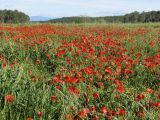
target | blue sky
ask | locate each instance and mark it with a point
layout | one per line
(60, 8)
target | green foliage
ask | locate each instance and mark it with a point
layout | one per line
(9, 16)
(134, 17)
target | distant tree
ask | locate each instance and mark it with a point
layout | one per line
(158, 16)
(141, 17)
(153, 16)
(134, 17)
(1, 16)
(126, 18)
(9, 16)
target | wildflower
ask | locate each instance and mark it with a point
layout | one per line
(48, 56)
(29, 118)
(149, 90)
(60, 53)
(53, 98)
(58, 88)
(108, 70)
(158, 97)
(113, 113)
(68, 117)
(95, 117)
(39, 114)
(83, 113)
(140, 97)
(37, 61)
(73, 89)
(92, 109)
(4, 64)
(9, 98)
(88, 87)
(119, 86)
(57, 79)
(140, 114)
(88, 71)
(104, 110)
(95, 95)
(154, 104)
(85, 95)
(101, 85)
(71, 79)
(121, 112)
(109, 117)
(128, 72)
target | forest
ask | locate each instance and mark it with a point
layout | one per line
(134, 17)
(10, 16)
(13, 16)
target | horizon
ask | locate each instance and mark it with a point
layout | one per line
(92, 8)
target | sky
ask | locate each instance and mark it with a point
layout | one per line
(64, 8)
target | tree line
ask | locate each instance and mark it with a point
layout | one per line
(10, 16)
(134, 17)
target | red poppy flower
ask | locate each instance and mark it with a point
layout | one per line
(85, 95)
(104, 110)
(89, 71)
(108, 70)
(58, 87)
(73, 89)
(71, 79)
(92, 109)
(121, 112)
(4, 64)
(39, 114)
(109, 117)
(140, 97)
(101, 85)
(154, 104)
(57, 79)
(68, 117)
(29, 118)
(119, 86)
(95, 117)
(95, 95)
(48, 56)
(83, 113)
(37, 61)
(54, 98)
(9, 98)
(149, 90)
(140, 114)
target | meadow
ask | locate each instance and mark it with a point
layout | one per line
(80, 72)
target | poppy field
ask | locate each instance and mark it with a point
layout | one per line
(77, 72)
